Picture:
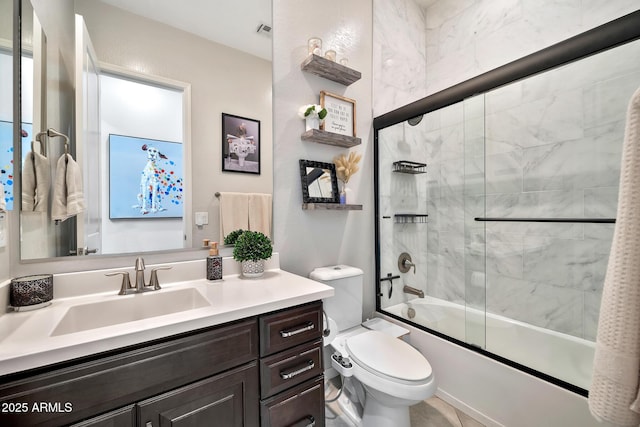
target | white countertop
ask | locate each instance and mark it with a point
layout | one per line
(26, 341)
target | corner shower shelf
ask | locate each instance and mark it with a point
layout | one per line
(330, 138)
(331, 70)
(330, 207)
(406, 166)
(410, 218)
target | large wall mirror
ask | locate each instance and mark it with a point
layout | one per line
(140, 92)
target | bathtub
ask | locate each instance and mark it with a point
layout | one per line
(559, 355)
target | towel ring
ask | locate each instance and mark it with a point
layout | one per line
(51, 132)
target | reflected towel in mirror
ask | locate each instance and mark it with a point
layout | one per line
(260, 213)
(36, 180)
(68, 197)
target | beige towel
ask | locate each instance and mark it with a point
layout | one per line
(68, 198)
(260, 213)
(234, 212)
(613, 396)
(36, 181)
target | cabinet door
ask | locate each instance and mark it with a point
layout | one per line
(102, 385)
(229, 399)
(124, 417)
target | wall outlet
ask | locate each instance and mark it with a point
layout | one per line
(202, 218)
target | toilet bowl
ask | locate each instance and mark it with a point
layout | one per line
(384, 374)
(393, 375)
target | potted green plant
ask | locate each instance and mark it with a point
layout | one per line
(230, 239)
(251, 249)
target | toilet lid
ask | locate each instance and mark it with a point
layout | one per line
(388, 355)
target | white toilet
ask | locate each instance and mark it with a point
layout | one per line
(384, 375)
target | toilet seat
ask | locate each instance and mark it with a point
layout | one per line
(389, 357)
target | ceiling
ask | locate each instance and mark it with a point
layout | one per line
(230, 22)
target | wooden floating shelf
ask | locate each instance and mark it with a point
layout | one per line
(330, 138)
(330, 207)
(331, 70)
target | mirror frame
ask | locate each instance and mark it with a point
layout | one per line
(306, 198)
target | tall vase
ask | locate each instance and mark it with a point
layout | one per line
(343, 194)
(312, 123)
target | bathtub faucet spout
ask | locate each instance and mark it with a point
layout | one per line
(411, 290)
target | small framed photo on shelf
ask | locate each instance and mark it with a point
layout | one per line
(240, 144)
(341, 114)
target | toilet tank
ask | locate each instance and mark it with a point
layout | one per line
(345, 306)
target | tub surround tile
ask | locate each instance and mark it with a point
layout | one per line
(600, 202)
(551, 307)
(577, 264)
(592, 302)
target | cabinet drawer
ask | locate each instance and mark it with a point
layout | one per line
(300, 406)
(229, 399)
(289, 328)
(102, 385)
(290, 367)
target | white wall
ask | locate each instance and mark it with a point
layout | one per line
(144, 111)
(308, 239)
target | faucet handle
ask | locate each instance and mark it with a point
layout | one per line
(139, 264)
(153, 281)
(125, 286)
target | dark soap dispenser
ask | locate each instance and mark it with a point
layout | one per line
(214, 263)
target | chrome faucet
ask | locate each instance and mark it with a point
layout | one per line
(411, 290)
(139, 274)
(127, 288)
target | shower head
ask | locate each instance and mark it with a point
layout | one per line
(415, 120)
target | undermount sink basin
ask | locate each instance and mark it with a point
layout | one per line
(128, 308)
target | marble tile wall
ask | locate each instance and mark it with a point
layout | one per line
(553, 147)
(550, 146)
(421, 50)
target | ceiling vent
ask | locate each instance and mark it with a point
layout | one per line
(264, 29)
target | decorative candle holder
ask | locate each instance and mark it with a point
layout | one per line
(31, 292)
(330, 55)
(344, 61)
(315, 46)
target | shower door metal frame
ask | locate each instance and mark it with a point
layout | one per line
(615, 33)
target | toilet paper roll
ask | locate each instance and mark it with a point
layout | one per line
(333, 331)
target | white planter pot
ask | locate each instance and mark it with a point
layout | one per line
(253, 268)
(312, 123)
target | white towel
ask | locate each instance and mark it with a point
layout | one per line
(234, 212)
(260, 213)
(36, 181)
(68, 198)
(613, 395)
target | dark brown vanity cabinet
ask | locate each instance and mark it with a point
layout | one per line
(291, 372)
(226, 376)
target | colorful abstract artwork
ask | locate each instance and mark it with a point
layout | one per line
(145, 178)
(6, 157)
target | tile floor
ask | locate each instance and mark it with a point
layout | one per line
(432, 412)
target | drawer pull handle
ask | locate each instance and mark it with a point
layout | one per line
(307, 367)
(307, 421)
(285, 333)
